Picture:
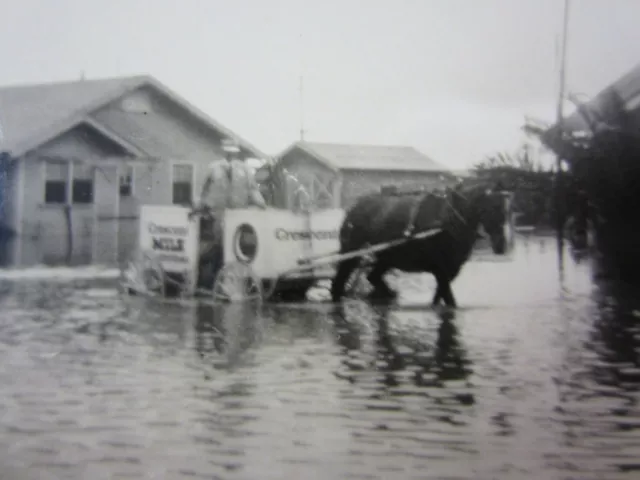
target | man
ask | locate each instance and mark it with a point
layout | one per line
(229, 184)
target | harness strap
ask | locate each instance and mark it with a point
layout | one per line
(413, 214)
(453, 209)
(416, 206)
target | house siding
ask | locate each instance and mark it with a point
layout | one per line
(348, 185)
(43, 228)
(159, 128)
(10, 177)
(81, 142)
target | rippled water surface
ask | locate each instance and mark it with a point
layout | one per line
(537, 375)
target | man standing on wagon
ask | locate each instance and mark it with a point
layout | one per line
(230, 183)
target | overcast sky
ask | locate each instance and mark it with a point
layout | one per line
(453, 78)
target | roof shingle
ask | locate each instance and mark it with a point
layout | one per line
(32, 114)
(27, 110)
(372, 157)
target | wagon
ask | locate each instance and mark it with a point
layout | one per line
(266, 253)
(262, 252)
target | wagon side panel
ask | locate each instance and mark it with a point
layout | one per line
(284, 237)
(275, 251)
(325, 238)
(166, 233)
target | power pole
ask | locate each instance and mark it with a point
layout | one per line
(559, 126)
(301, 85)
(302, 131)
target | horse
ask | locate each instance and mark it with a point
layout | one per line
(377, 218)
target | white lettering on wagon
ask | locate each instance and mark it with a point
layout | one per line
(167, 230)
(284, 235)
(163, 257)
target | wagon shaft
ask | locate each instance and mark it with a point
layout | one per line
(341, 257)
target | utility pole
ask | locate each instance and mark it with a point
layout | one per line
(301, 86)
(302, 131)
(559, 126)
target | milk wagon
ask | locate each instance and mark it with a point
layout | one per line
(265, 253)
(262, 250)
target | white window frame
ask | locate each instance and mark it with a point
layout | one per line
(92, 178)
(68, 188)
(69, 184)
(193, 179)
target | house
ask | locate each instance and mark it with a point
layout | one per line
(79, 158)
(334, 175)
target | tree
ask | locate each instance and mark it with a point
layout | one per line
(520, 161)
(527, 178)
(603, 159)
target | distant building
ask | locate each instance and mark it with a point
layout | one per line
(464, 174)
(97, 150)
(334, 175)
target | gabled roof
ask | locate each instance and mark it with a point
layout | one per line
(626, 87)
(368, 157)
(31, 115)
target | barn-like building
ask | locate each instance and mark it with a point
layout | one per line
(334, 175)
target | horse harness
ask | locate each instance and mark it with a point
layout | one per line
(416, 206)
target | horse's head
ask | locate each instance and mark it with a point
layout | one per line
(488, 204)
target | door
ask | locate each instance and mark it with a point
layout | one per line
(106, 205)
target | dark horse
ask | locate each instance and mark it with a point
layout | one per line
(379, 218)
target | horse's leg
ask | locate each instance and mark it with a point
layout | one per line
(340, 279)
(444, 290)
(376, 278)
(437, 295)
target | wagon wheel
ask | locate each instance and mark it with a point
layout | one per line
(237, 282)
(357, 286)
(269, 286)
(147, 272)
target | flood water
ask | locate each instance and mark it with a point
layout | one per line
(537, 375)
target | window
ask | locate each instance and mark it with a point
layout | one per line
(82, 188)
(126, 182)
(182, 184)
(55, 184)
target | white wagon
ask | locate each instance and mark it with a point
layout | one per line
(262, 250)
(265, 252)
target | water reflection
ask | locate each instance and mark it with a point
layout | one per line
(544, 385)
(228, 332)
(422, 348)
(617, 324)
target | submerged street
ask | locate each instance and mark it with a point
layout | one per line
(537, 375)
